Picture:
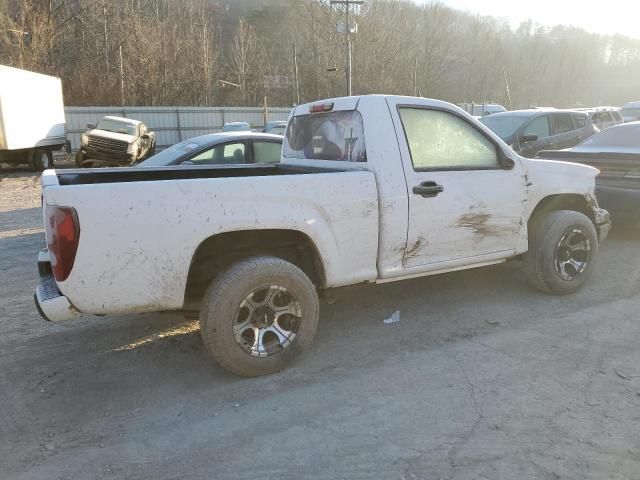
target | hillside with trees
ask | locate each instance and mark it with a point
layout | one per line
(208, 52)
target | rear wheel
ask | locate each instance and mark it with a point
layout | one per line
(562, 250)
(40, 160)
(259, 315)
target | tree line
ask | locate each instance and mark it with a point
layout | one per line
(197, 52)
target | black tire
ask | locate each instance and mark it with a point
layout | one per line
(40, 160)
(79, 159)
(548, 265)
(222, 307)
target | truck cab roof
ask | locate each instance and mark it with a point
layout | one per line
(130, 121)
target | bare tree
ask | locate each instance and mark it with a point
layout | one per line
(174, 51)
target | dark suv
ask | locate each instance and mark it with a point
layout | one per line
(529, 131)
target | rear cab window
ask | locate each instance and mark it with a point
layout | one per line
(337, 136)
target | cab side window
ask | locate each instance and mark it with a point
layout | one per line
(562, 123)
(225, 154)
(538, 126)
(581, 120)
(267, 152)
(442, 141)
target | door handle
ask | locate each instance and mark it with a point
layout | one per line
(428, 189)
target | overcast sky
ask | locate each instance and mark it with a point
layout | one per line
(608, 16)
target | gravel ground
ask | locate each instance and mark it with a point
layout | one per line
(481, 378)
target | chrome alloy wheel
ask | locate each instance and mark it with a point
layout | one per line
(267, 321)
(572, 254)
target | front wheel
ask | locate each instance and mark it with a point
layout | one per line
(562, 250)
(79, 159)
(258, 315)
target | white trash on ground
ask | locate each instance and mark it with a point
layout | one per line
(394, 318)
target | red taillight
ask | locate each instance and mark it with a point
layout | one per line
(63, 233)
(321, 107)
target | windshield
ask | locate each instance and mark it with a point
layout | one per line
(611, 138)
(115, 126)
(236, 127)
(633, 112)
(171, 154)
(329, 136)
(481, 110)
(504, 125)
(494, 109)
(279, 130)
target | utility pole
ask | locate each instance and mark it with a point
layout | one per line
(347, 4)
(106, 37)
(121, 77)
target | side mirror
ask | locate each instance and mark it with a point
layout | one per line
(508, 163)
(91, 126)
(187, 162)
(528, 138)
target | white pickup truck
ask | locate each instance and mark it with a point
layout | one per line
(370, 189)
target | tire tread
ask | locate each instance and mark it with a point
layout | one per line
(223, 284)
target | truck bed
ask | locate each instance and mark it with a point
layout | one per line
(148, 174)
(140, 228)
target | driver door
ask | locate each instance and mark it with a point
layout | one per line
(466, 199)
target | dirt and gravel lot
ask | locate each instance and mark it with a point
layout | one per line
(482, 378)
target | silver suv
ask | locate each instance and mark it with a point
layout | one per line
(529, 131)
(604, 117)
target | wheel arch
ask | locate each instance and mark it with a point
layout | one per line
(218, 251)
(563, 201)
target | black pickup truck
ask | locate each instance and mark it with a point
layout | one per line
(616, 153)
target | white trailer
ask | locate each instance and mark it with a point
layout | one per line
(32, 121)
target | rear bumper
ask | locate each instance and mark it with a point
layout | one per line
(52, 305)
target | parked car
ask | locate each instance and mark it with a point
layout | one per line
(479, 110)
(529, 131)
(236, 127)
(371, 189)
(631, 112)
(277, 128)
(115, 141)
(603, 117)
(220, 149)
(616, 153)
(32, 122)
